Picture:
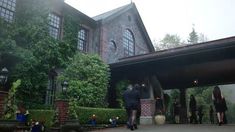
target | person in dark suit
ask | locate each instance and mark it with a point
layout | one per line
(127, 103)
(176, 111)
(211, 114)
(200, 114)
(132, 101)
(137, 89)
(193, 109)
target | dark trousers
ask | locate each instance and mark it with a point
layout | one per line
(193, 117)
(212, 118)
(128, 112)
(200, 118)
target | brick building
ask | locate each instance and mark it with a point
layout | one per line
(113, 35)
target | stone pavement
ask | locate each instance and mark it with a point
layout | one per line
(175, 128)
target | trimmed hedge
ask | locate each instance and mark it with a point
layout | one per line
(45, 116)
(102, 115)
(84, 115)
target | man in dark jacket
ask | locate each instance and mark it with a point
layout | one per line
(193, 109)
(127, 103)
(132, 101)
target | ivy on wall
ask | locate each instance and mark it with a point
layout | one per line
(33, 52)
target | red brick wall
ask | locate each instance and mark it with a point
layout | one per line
(147, 107)
(3, 95)
(62, 107)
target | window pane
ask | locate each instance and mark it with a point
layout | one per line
(128, 43)
(54, 25)
(82, 39)
(7, 8)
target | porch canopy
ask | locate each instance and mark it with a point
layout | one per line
(208, 63)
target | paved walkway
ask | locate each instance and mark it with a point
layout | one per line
(175, 128)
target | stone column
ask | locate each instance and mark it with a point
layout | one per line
(147, 111)
(183, 110)
(62, 106)
(3, 96)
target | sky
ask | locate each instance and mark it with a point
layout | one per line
(214, 18)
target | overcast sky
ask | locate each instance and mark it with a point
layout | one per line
(213, 18)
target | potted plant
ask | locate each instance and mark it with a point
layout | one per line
(160, 117)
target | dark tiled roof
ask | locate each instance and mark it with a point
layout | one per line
(184, 50)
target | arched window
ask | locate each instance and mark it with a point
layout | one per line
(112, 46)
(112, 49)
(128, 43)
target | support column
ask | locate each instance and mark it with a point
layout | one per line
(183, 110)
(3, 96)
(147, 111)
(62, 106)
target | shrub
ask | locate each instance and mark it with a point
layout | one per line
(102, 115)
(85, 113)
(88, 78)
(45, 116)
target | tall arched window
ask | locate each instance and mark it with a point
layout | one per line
(128, 43)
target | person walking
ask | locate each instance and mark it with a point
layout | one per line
(193, 109)
(137, 90)
(220, 104)
(200, 114)
(132, 99)
(176, 111)
(211, 114)
(127, 103)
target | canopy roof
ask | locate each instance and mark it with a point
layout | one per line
(209, 63)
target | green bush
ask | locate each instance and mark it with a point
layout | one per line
(85, 113)
(45, 116)
(102, 115)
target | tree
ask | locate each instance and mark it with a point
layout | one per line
(202, 38)
(193, 37)
(27, 42)
(169, 41)
(203, 98)
(88, 78)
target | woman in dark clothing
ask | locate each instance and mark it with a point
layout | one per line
(193, 109)
(219, 103)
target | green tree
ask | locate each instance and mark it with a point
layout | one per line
(121, 86)
(88, 78)
(203, 98)
(193, 37)
(169, 41)
(27, 43)
(202, 38)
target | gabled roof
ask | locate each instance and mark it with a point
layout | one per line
(118, 11)
(113, 12)
(83, 18)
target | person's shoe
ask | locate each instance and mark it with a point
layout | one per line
(220, 123)
(132, 128)
(135, 126)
